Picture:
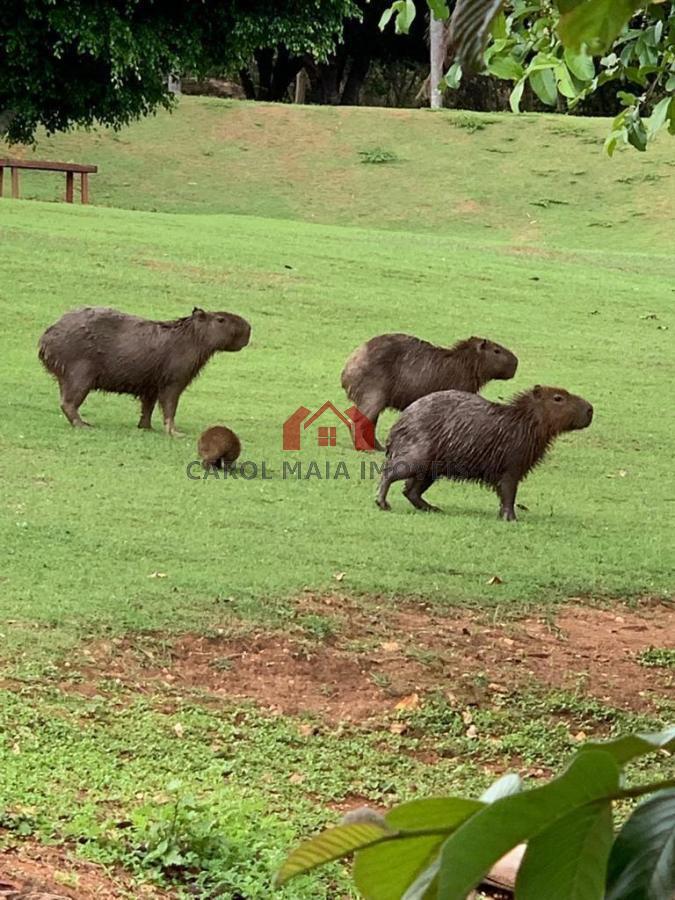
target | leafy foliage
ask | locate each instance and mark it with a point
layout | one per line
(80, 62)
(553, 49)
(443, 847)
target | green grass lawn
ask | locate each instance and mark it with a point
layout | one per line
(491, 230)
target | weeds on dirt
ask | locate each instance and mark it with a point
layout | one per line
(663, 657)
(378, 155)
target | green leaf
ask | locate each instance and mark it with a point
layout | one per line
(637, 134)
(596, 23)
(504, 787)
(568, 861)
(425, 887)
(670, 84)
(516, 95)
(475, 847)
(659, 115)
(439, 8)
(580, 64)
(626, 98)
(404, 11)
(389, 869)
(505, 66)
(453, 76)
(544, 85)
(330, 845)
(434, 812)
(498, 28)
(564, 81)
(642, 862)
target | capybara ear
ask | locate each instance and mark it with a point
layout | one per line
(483, 344)
(536, 391)
(197, 311)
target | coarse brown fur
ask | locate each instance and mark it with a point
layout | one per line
(394, 370)
(464, 437)
(101, 349)
(218, 447)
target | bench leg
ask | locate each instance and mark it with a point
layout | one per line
(69, 187)
(15, 183)
(84, 189)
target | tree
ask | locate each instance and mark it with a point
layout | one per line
(568, 50)
(79, 62)
(441, 848)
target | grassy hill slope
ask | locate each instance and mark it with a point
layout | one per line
(527, 179)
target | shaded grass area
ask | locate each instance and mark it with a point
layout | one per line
(527, 178)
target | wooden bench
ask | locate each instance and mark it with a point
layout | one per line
(71, 169)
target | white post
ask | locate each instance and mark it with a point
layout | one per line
(436, 34)
(174, 84)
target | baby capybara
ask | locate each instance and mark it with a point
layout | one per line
(453, 434)
(394, 370)
(100, 349)
(218, 447)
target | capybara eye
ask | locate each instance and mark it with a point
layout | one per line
(497, 350)
(558, 398)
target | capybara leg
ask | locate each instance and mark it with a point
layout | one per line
(506, 489)
(73, 396)
(415, 487)
(371, 406)
(147, 407)
(390, 474)
(168, 400)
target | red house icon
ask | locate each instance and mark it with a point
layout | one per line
(359, 426)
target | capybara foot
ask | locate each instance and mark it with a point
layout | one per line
(383, 504)
(508, 515)
(80, 423)
(429, 508)
(145, 426)
(176, 433)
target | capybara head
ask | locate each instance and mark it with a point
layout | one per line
(560, 410)
(494, 361)
(222, 330)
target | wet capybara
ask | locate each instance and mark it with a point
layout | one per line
(453, 434)
(100, 349)
(394, 370)
(218, 447)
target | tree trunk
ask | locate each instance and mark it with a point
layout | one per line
(351, 93)
(437, 56)
(265, 60)
(247, 84)
(301, 85)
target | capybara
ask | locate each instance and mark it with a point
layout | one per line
(394, 370)
(100, 349)
(453, 434)
(218, 447)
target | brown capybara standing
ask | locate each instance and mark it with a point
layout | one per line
(218, 447)
(394, 370)
(99, 349)
(452, 434)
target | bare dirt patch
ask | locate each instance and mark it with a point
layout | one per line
(35, 872)
(376, 659)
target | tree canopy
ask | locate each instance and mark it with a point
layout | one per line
(566, 51)
(79, 62)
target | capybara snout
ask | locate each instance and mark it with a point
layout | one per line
(229, 332)
(499, 363)
(563, 411)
